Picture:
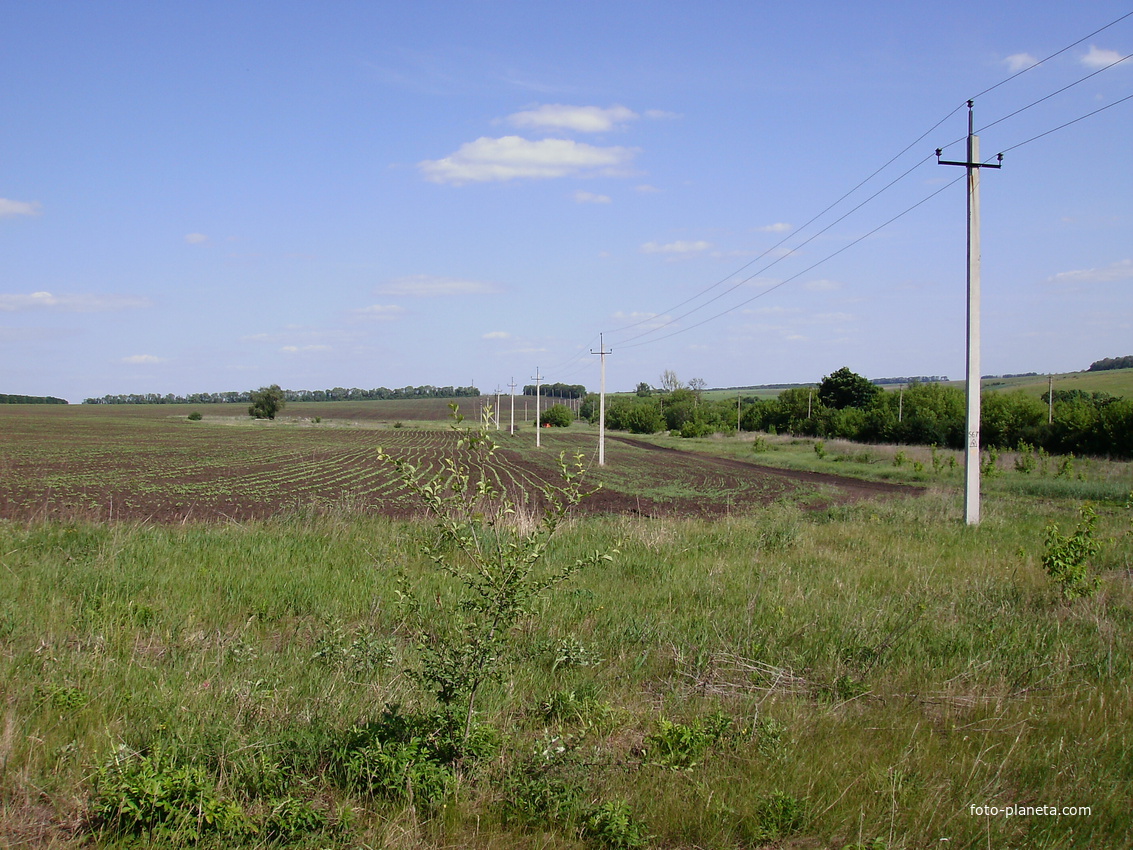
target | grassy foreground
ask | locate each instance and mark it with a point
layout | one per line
(867, 677)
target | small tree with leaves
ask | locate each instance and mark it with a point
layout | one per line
(266, 402)
(495, 557)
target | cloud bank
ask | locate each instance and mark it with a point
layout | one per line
(11, 209)
(429, 286)
(513, 157)
(81, 303)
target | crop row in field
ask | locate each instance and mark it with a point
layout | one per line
(121, 464)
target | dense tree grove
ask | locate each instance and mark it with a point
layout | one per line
(921, 414)
(557, 390)
(6, 398)
(336, 394)
(1112, 363)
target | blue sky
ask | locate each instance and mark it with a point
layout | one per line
(216, 195)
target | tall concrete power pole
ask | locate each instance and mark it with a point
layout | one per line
(537, 378)
(972, 377)
(511, 429)
(602, 401)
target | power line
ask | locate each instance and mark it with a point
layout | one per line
(780, 259)
(889, 162)
(1053, 93)
(790, 236)
(810, 268)
(1052, 56)
(1068, 123)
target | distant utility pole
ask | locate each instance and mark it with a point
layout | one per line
(511, 430)
(1050, 399)
(537, 378)
(972, 377)
(601, 400)
(497, 410)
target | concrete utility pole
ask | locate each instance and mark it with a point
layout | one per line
(511, 429)
(1050, 399)
(497, 410)
(601, 400)
(537, 378)
(972, 377)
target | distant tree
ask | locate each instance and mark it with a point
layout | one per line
(557, 416)
(644, 390)
(670, 381)
(846, 389)
(588, 410)
(266, 402)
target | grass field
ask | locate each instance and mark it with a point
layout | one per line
(1116, 382)
(806, 672)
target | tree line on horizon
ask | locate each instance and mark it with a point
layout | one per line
(848, 406)
(9, 398)
(1107, 363)
(335, 394)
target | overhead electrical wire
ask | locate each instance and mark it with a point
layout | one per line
(815, 218)
(639, 340)
(809, 268)
(631, 341)
(1052, 56)
(780, 259)
(1068, 123)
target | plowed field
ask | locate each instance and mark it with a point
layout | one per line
(149, 463)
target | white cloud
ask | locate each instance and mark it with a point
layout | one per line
(661, 114)
(427, 286)
(777, 227)
(142, 359)
(9, 208)
(1098, 58)
(646, 189)
(1121, 270)
(380, 312)
(296, 349)
(514, 157)
(581, 119)
(196, 238)
(1017, 62)
(18, 302)
(678, 247)
(496, 335)
(591, 198)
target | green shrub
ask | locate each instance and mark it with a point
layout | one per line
(612, 825)
(159, 794)
(1066, 557)
(682, 747)
(557, 416)
(195, 416)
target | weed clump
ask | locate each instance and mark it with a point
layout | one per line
(1066, 556)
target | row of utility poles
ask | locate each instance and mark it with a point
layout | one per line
(972, 370)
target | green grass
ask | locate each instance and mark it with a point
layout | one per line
(1116, 382)
(816, 679)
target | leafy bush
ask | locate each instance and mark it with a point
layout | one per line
(160, 794)
(612, 824)
(781, 815)
(1066, 557)
(495, 561)
(682, 747)
(557, 416)
(195, 416)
